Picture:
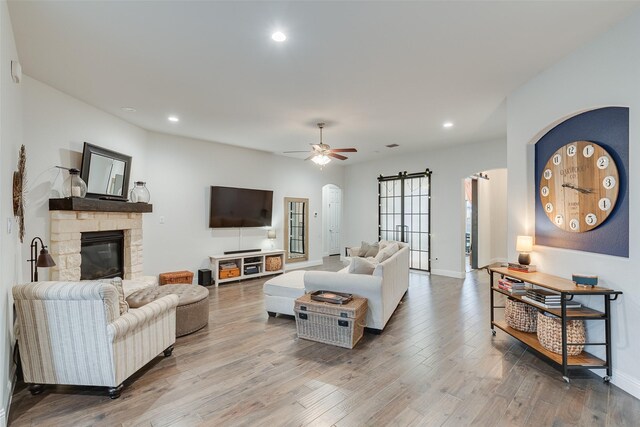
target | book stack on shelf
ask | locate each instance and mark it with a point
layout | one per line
(547, 299)
(521, 267)
(513, 286)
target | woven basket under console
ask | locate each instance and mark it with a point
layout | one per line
(273, 263)
(550, 334)
(520, 316)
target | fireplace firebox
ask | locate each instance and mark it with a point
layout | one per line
(102, 254)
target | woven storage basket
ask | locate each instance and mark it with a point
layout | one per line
(176, 278)
(550, 334)
(273, 263)
(520, 316)
(335, 324)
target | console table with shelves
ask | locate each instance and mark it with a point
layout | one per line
(567, 291)
(250, 264)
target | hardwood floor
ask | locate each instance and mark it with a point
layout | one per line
(435, 364)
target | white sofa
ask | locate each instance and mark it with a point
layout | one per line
(383, 289)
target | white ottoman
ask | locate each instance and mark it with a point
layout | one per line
(281, 292)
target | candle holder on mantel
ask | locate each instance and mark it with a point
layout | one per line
(74, 186)
(140, 193)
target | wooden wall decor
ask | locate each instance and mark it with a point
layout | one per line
(581, 170)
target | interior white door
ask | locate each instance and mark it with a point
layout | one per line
(335, 196)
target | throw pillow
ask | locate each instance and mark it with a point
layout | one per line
(387, 252)
(384, 243)
(364, 247)
(122, 302)
(361, 266)
(373, 250)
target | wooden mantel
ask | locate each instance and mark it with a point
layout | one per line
(97, 205)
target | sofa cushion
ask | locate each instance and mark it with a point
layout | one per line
(368, 250)
(361, 266)
(286, 285)
(387, 252)
(122, 302)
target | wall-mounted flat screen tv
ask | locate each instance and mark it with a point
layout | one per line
(240, 207)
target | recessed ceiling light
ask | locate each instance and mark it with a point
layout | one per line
(173, 119)
(447, 125)
(129, 109)
(279, 36)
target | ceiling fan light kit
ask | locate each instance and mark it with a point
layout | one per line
(321, 159)
(322, 153)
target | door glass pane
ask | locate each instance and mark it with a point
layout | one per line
(424, 260)
(424, 223)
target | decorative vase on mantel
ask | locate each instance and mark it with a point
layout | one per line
(74, 186)
(140, 193)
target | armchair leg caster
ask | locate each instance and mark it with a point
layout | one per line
(114, 392)
(168, 351)
(36, 389)
(271, 314)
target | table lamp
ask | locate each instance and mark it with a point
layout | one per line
(271, 235)
(524, 245)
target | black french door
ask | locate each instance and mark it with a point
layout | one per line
(404, 214)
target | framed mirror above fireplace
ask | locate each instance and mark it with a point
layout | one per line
(106, 172)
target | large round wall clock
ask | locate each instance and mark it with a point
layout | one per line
(579, 186)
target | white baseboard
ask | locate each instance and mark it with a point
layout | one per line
(497, 260)
(299, 265)
(4, 412)
(449, 273)
(626, 382)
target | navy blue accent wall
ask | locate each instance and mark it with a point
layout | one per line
(608, 127)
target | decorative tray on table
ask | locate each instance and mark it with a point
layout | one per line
(331, 297)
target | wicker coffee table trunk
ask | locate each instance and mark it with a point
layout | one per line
(335, 324)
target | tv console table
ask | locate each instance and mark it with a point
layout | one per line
(250, 265)
(567, 290)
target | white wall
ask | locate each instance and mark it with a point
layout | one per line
(449, 166)
(10, 141)
(492, 217)
(602, 73)
(180, 172)
(55, 128)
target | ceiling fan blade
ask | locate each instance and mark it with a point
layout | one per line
(337, 156)
(289, 152)
(344, 150)
(310, 157)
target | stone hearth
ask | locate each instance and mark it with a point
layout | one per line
(66, 229)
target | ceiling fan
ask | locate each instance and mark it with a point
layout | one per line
(322, 153)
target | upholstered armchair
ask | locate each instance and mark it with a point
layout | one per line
(72, 333)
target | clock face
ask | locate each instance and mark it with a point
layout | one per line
(579, 186)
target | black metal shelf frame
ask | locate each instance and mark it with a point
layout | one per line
(607, 295)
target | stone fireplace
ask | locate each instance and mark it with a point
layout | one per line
(66, 234)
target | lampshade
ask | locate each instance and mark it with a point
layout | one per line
(271, 234)
(44, 259)
(524, 244)
(321, 159)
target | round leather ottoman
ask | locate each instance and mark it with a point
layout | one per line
(192, 313)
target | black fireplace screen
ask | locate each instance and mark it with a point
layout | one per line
(102, 255)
